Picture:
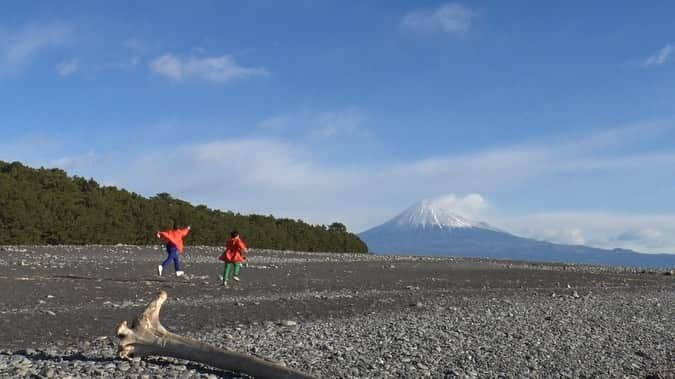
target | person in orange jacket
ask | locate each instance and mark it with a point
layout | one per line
(235, 248)
(174, 246)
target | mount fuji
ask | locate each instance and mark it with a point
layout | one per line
(428, 228)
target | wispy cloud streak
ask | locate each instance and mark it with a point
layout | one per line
(18, 48)
(219, 69)
(660, 57)
(447, 18)
(67, 68)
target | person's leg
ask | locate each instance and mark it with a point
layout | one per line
(237, 266)
(169, 256)
(168, 259)
(173, 256)
(176, 262)
(226, 272)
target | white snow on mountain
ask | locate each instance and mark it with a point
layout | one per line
(434, 214)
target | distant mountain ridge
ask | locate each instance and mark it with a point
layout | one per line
(427, 229)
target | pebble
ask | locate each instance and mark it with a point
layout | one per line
(497, 333)
(123, 366)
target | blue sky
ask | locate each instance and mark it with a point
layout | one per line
(558, 118)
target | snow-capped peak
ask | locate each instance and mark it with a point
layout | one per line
(431, 214)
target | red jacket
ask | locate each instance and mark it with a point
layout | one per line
(174, 236)
(234, 251)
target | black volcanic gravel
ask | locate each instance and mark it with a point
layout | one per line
(337, 315)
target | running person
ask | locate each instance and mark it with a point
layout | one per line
(235, 248)
(174, 246)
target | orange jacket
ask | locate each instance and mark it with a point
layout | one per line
(234, 250)
(174, 236)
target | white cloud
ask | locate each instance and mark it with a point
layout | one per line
(564, 235)
(261, 165)
(18, 48)
(276, 123)
(469, 206)
(214, 69)
(258, 163)
(134, 55)
(255, 175)
(119, 64)
(496, 167)
(272, 171)
(448, 18)
(289, 177)
(321, 125)
(135, 44)
(651, 238)
(67, 68)
(660, 57)
(331, 124)
(77, 162)
(651, 233)
(640, 235)
(270, 176)
(519, 164)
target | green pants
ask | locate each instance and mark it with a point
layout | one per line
(228, 268)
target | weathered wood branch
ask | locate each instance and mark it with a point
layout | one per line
(148, 337)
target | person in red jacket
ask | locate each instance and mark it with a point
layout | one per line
(174, 246)
(235, 248)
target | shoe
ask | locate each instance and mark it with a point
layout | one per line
(159, 270)
(224, 284)
(236, 278)
(179, 273)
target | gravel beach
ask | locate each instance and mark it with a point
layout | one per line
(337, 315)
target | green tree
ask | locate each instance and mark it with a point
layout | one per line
(337, 227)
(46, 206)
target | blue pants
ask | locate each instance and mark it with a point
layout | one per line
(172, 251)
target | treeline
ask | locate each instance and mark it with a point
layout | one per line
(46, 206)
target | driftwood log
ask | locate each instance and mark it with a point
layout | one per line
(148, 337)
